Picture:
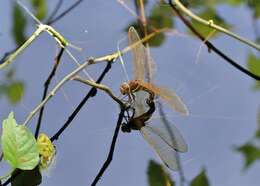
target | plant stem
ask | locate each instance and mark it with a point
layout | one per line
(115, 55)
(101, 87)
(41, 27)
(213, 48)
(210, 23)
(91, 93)
(13, 55)
(111, 150)
(54, 90)
(46, 87)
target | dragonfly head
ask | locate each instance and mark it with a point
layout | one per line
(124, 88)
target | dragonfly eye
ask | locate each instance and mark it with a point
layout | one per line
(124, 88)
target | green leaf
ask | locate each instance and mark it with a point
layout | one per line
(250, 152)
(209, 14)
(235, 2)
(40, 7)
(253, 64)
(157, 176)
(201, 179)
(160, 17)
(28, 178)
(19, 145)
(15, 91)
(19, 25)
(258, 121)
(254, 5)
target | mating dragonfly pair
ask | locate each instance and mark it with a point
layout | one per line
(142, 95)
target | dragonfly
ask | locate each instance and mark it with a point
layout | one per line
(143, 77)
(142, 94)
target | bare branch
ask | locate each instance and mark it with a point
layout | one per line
(111, 150)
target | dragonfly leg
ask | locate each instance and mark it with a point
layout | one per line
(151, 104)
(131, 97)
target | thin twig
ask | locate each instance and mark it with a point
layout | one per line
(143, 24)
(149, 75)
(91, 93)
(128, 48)
(111, 57)
(211, 24)
(41, 27)
(11, 56)
(101, 87)
(49, 22)
(111, 150)
(169, 130)
(55, 89)
(46, 87)
(11, 178)
(212, 47)
(55, 11)
(65, 12)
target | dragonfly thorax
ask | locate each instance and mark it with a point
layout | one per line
(130, 87)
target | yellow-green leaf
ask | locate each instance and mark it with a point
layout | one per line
(255, 6)
(157, 176)
(258, 122)
(20, 149)
(19, 25)
(15, 91)
(200, 180)
(250, 152)
(253, 64)
(40, 7)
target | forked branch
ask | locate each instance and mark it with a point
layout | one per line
(91, 93)
(212, 47)
(101, 87)
(211, 24)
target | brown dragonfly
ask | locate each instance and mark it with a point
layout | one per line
(143, 73)
(154, 131)
(142, 95)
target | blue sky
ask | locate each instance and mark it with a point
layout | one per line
(221, 101)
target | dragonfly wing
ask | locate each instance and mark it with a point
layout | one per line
(149, 67)
(165, 152)
(174, 101)
(170, 136)
(139, 54)
(140, 104)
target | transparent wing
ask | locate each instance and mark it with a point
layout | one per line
(139, 54)
(165, 152)
(174, 101)
(140, 104)
(149, 67)
(169, 96)
(173, 137)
